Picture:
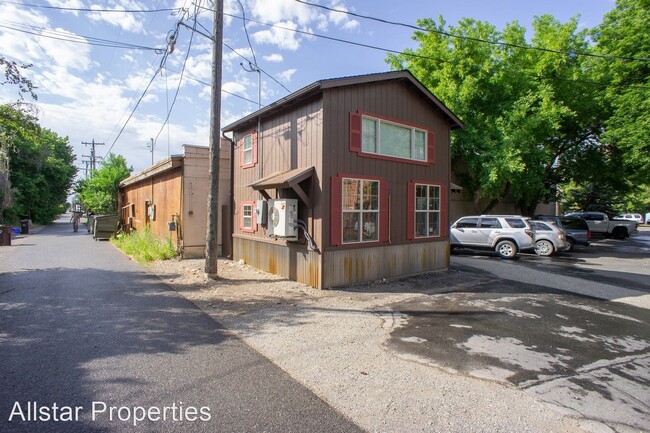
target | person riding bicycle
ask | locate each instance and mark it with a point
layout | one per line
(74, 219)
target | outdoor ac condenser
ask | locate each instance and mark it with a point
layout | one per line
(282, 219)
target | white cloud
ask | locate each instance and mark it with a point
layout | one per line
(282, 10)
(351, 25)
(285, 39)
(73, 4)
(274, 58)
(129, 22)
(286, 75)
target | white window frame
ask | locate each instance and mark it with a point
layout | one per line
(247, 151)
(377, 143)
(426, 211)
(360, 212)
(247, 218)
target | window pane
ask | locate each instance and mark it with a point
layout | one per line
(395, 140)
(467, 223)
(434, 227)
(420, 197)
(370, 226)
(434, 198)
(369, 138)
(351, 194)
(370, 195)
(248, 142)
(492, 223)
(247, 210)
(420, 145)
(516, 223)
(248, 156)
(420, 224)
(351, 227)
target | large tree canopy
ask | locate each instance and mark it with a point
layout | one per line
(625, 34)
(41, 167)
(99, 193)
(533, 119)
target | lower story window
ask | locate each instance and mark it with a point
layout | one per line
(360, 209)
(247, 217)
(427, 211)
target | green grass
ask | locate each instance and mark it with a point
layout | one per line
(144, 247)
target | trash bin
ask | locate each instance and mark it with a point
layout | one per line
(24, 227)
(5, 236)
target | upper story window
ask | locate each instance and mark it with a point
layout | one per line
(248, 150)
(374, 136)
(393, 139)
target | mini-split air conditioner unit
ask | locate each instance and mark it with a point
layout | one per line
(283, 214)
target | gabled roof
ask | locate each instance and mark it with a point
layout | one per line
(320, 86)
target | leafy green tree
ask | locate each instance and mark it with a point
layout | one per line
(99, 193)
(41, 167)
(14, 75)
(531, 115)
(624, 33)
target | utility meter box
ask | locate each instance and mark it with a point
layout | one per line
(283, 214)
(261, 210)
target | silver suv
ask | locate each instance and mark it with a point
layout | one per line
(504, 234)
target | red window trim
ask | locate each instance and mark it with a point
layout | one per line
(253, 163)
(410, 217)
(336, 210)
(356, 133)
(253, 228)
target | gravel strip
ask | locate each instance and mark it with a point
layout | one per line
(332, 341)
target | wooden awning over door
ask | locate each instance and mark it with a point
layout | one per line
(286, 179)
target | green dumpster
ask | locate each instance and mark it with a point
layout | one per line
(105, 226)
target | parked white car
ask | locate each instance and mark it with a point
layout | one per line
(504, 234)
(630, 217)
(549, 238)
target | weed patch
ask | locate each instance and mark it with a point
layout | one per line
(144, 247)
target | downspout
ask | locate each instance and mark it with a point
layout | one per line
(231, 198)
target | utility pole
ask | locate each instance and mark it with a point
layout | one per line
(211, 240)
(150, 146)
(93, 154)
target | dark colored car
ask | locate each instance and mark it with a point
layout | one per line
(577, 230)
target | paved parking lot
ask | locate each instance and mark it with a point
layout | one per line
(547, 326)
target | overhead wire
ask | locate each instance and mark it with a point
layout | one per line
(70, 9)
(70, 37)
(487, 41)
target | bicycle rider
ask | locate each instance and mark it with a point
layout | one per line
(74, 219)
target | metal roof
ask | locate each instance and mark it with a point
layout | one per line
(319, 86)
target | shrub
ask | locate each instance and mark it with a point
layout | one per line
(144, 247)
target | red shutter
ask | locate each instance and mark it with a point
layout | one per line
(444, 207)
(431, 147)
(410, 211)
(254, 144)
(336, 206)
(355, 132)
(253, 217)
(384, 212)
(240, 144)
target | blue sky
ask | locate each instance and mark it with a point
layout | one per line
(88, 91)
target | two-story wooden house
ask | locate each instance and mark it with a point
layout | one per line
(344, 181)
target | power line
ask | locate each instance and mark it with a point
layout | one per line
(189, 77)
(74, 38)
(209, 36)
(90, 9)
(243, 12)
(505, 44)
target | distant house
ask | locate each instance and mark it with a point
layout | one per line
(344, 181)
(171, 198)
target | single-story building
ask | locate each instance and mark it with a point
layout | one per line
(344, 181)
(171, 198)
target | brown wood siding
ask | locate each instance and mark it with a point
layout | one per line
(287, 141)
(394, 100)
(294, 262)
(164, 191)
(345, 267)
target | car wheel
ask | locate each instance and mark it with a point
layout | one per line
(544, 248)
(571, 243)
(619, 233)
(506, 249)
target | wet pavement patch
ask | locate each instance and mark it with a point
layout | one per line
(589, 357)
